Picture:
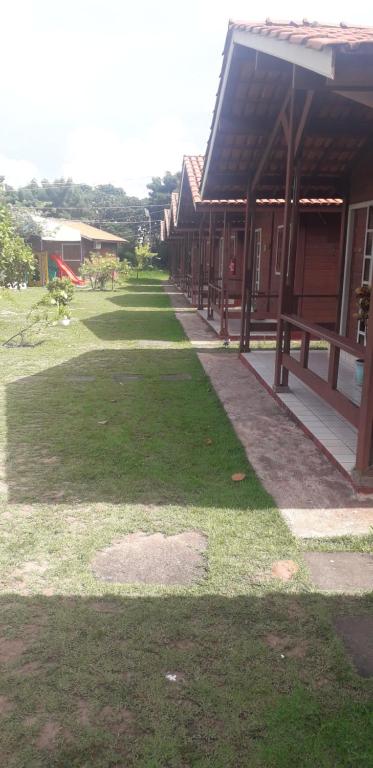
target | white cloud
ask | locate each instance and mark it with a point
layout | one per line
(17, 172)
(100, 156)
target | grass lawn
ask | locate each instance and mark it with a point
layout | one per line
(110, 427)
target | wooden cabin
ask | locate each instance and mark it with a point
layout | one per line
(73, 240)
(212, 236)
(294, 119)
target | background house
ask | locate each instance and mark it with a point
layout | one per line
(72, 241)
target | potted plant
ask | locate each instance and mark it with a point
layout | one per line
(363, 303)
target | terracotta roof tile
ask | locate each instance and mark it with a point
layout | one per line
(194, 169)
(311, 35)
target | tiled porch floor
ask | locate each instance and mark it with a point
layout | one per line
(328, 427)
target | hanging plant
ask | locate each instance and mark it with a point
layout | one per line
(363, 303)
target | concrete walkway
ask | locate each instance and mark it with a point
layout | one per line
(314, 498)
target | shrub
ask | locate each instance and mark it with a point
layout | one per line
(61, 292)
(17, 260)
(99, 270)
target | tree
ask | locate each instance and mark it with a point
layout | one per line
(144, 257)
(160, 190)
(17, 260)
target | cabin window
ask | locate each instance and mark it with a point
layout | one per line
(257, 255)
(97, 245)
(367, 272)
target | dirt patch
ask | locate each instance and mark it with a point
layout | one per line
(48, 592)
(54, 496)
(83, 712)
(31, 668)
(30, 566)
(48, 735)
(153, 559)
(284, 569)
(11, 649)
(287, 646)
(50, 460)
(117, 721)
(6, 706)
(181, 645)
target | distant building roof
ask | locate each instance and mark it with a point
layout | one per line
(92, 233)
(66, 231)
(56, 230)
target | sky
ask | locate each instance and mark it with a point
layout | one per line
(111, 91)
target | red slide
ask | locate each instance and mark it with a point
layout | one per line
(66, 270)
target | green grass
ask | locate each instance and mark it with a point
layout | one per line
(264, 680)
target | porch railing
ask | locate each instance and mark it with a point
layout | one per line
(327, 388)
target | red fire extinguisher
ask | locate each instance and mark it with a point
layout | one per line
(232, 267)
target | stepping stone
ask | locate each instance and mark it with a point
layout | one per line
(127, 376)
(153, 559)
(175, 377)
(78, 379)
(348, 572)
(356, 632)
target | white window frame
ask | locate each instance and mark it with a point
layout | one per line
(367, 261)
(257, 258)
(221, 258)
(279, 227)
(278, 271)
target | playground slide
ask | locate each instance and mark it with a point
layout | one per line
(66, 270)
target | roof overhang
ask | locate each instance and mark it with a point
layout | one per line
(323, 71)
(320, 62)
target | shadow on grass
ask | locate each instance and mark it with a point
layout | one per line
(144, 298)
(136, 325)
(82, 431)
(254, 681)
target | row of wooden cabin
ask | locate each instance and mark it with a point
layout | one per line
(271, 233)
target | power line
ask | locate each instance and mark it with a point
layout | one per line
(125, 223)
(47, 184)
(103, 207)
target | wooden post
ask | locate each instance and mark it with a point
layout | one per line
(223, 318)
(342, 260)
(250, 275)
(281, 375)
(210, 269)
(364, 453)
(250, 206)
(200, 263)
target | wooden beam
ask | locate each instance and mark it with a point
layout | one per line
(316, 126)
(303, 120)
(245, 259)
(283, 336)
(267, 151)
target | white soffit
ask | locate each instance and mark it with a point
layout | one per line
(321, 62)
